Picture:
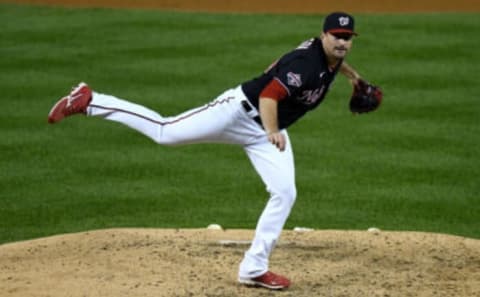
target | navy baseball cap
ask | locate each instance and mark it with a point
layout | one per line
(339, 22)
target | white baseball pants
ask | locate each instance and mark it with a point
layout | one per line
(223, 120)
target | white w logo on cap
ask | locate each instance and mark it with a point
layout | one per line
(343, 21)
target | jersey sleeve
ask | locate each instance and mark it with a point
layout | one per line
(274, 90)
(293, 74)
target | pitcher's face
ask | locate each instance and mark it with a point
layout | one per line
(336, 45)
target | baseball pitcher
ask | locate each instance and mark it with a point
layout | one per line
(255, 115)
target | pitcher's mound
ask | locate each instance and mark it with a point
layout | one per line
(186, 262)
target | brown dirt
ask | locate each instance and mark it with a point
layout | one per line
(134, 262)
(194, 262)
(279, 6)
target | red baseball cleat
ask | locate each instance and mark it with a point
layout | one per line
(268, 280)
(76, 102)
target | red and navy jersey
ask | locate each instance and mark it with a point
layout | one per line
(305, 75)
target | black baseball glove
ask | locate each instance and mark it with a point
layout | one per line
(365, 98)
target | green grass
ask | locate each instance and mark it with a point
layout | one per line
(413, 165)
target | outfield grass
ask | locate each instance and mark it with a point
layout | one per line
(413, 165)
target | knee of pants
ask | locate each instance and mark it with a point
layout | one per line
(287, 194)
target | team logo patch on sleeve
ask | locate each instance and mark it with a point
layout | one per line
(294, 79)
